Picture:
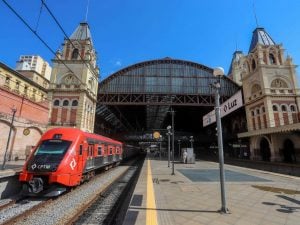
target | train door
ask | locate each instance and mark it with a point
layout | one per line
(105, 156)
(114, 153)
(110, 153)
(80, 158)
(90, 157)
(99, 156)
(117, 153)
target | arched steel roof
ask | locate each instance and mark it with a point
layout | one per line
(165, 76)
(141, 95)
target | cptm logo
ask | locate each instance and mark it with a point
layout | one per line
(73, 164)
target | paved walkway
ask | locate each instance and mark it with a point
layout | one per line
(192, 196)
(11, 168)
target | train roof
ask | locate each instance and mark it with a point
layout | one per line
(76, 132)
(103, 138)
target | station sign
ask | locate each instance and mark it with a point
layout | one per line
(229, 106)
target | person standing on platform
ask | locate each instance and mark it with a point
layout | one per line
(185, 156)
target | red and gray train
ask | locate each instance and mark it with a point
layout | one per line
(66, 157)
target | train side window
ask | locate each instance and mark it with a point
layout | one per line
(80, 149)
(99, 150)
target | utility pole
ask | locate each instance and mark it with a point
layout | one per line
(14, 110)
(169, 134)
(173, 135)
(179, 150)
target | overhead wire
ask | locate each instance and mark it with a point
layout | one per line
(39, 17)
(41, 39)
(44, 42)
(67, 37)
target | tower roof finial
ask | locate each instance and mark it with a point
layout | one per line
(254, 11)
(87, 10)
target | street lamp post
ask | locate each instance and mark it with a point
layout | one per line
(179, 150)
(218, 72)
(169, 134)
(191, 140)
(14, 110)
(160, 137)
(173, 135)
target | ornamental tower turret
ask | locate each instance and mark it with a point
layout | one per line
(271, 97)
(74, 82)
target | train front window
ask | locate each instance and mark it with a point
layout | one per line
(53, 147)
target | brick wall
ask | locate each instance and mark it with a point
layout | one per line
(26, 109)
(29, 115)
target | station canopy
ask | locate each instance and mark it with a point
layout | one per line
(139, 97)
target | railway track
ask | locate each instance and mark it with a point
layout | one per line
(67, 208)
(15, 210)
(111, 205)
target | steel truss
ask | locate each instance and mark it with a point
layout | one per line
(157, 99)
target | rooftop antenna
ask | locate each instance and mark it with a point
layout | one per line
(254, 11)
(87, 10)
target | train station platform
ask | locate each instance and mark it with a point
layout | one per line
(12, 168)
(9, 183)
(192, 196)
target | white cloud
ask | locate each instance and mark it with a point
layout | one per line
(118, 63)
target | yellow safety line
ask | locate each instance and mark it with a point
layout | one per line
(151, 216)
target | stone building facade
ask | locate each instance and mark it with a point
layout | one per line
(74, 82)
(271, 98)
(29, 100)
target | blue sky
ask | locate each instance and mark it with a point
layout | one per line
(126, 32)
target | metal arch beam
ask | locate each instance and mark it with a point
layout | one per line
(110, 117)
(157, 99)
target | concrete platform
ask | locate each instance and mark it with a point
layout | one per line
(192, 196)
(12, 168)
(9, 183)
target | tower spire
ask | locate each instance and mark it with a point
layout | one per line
(87, 10)
(254, 11)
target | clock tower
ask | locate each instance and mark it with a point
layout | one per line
(271, 97)
(74, 82)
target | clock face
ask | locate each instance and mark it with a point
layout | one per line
(68, 79)
(26, 131)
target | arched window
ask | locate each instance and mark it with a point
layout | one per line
(253, 64)
(283, 108)
(257, 111)
(275, 108)
(293, 108)
(252, 113)
(272, 59)
(75, 53)
(65, 103)
(56, 102)
(74, 103)
(263, 109)
(279, 83)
